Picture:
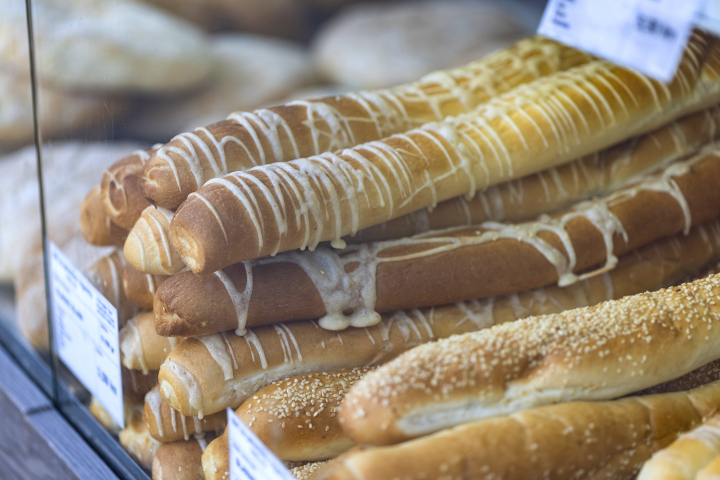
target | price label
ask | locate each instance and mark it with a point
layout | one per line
(645, 35)
(709, 16)
(249, 457)
(86, 332)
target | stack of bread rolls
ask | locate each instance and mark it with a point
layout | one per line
(272, 260)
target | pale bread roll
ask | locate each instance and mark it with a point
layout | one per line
(140, 347)
(166, 425)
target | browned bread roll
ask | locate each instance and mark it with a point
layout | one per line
(711, 471)
(180, 460)
(558, 187)
(591, 353)
(120, 191)
(136, 383)
(106, 275)
(686, 456)
(207, 374)
(136, 439)
(297, 204)
(140, 347)
(300, 129)
(95, 224)
(346, 288)
(140, 287)
(588, 440)
(165, 424)
(148, 248)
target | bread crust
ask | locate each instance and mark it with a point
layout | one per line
(443, 267)
(140, 287)
(166, 425)
(265, 210)
(140, 347)
(120, 191)
(301, 129)
(95, 225)
(180, 460)
(148, 248)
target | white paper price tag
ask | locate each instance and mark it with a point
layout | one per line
(646, 35)
(709, 16)
(86, 332)
(249, 458)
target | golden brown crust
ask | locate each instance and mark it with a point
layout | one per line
(332, 123)
(136, 383)
(593, 440)
(120, 191)
(296, 418)
(598, 352)
(476, 264)
(95, 225)
(180, 460)
(106, 275)
(167, 425)
(247, 215)
(147, 247)
(140, 347)
(136, 439)
(216, 459)
(140, 287)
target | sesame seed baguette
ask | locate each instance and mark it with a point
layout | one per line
(296, 418)
(95, 226)
(140, 287)
(687, 456)
(121, 195)
(166, 425)
(302, 128)
(140, 347)
(558, 187)
(588, 440)
(148, 248)
(207, 374)
(599, 352)
(347, 288)
(551, 121)
(304, 472)
(106, 275)
(181, 460)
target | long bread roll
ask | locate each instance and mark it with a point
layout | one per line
(588, 440)
(140, 287)
(347, 288)
(204, 375)
(106, 275)
(298, 204)
(120, 192)
(140, 347)
(148, 246)
(558, 187)
(166, 425)
(136, 439)
(686, 456)
(303, 128)
(95, 225)
(591, 353)
(180, 460)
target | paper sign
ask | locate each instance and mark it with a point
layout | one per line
(249, 457)
(645, 35)
(709, 16)
(85, 325)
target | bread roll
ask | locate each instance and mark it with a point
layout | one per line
(140, 347)
(303, 128)
(207, 374)
(306, 471)
(298, 204)
(166, 425)
(140, 287)
(592, 353)
(106, 275)
(136, 439)
(136, 383)
(588, 440)
(686, 456)
(120, 191)
(711, 471)
(95, 225)
(180, 460)
(148, 248)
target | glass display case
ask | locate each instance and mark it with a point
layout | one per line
(98, 93)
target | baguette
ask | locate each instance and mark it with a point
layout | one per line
(298, 204)
(305, 128)
(516, 200)
(120, 191)
(592, 353)
(106, 275)
(95, 225)
(347, 288)
(180, 460)
(558, 187)
(207, 374)
(686, 456)
(166, 425)
(140, 347)
(148, 248)
(588, 440)
(140, 287)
